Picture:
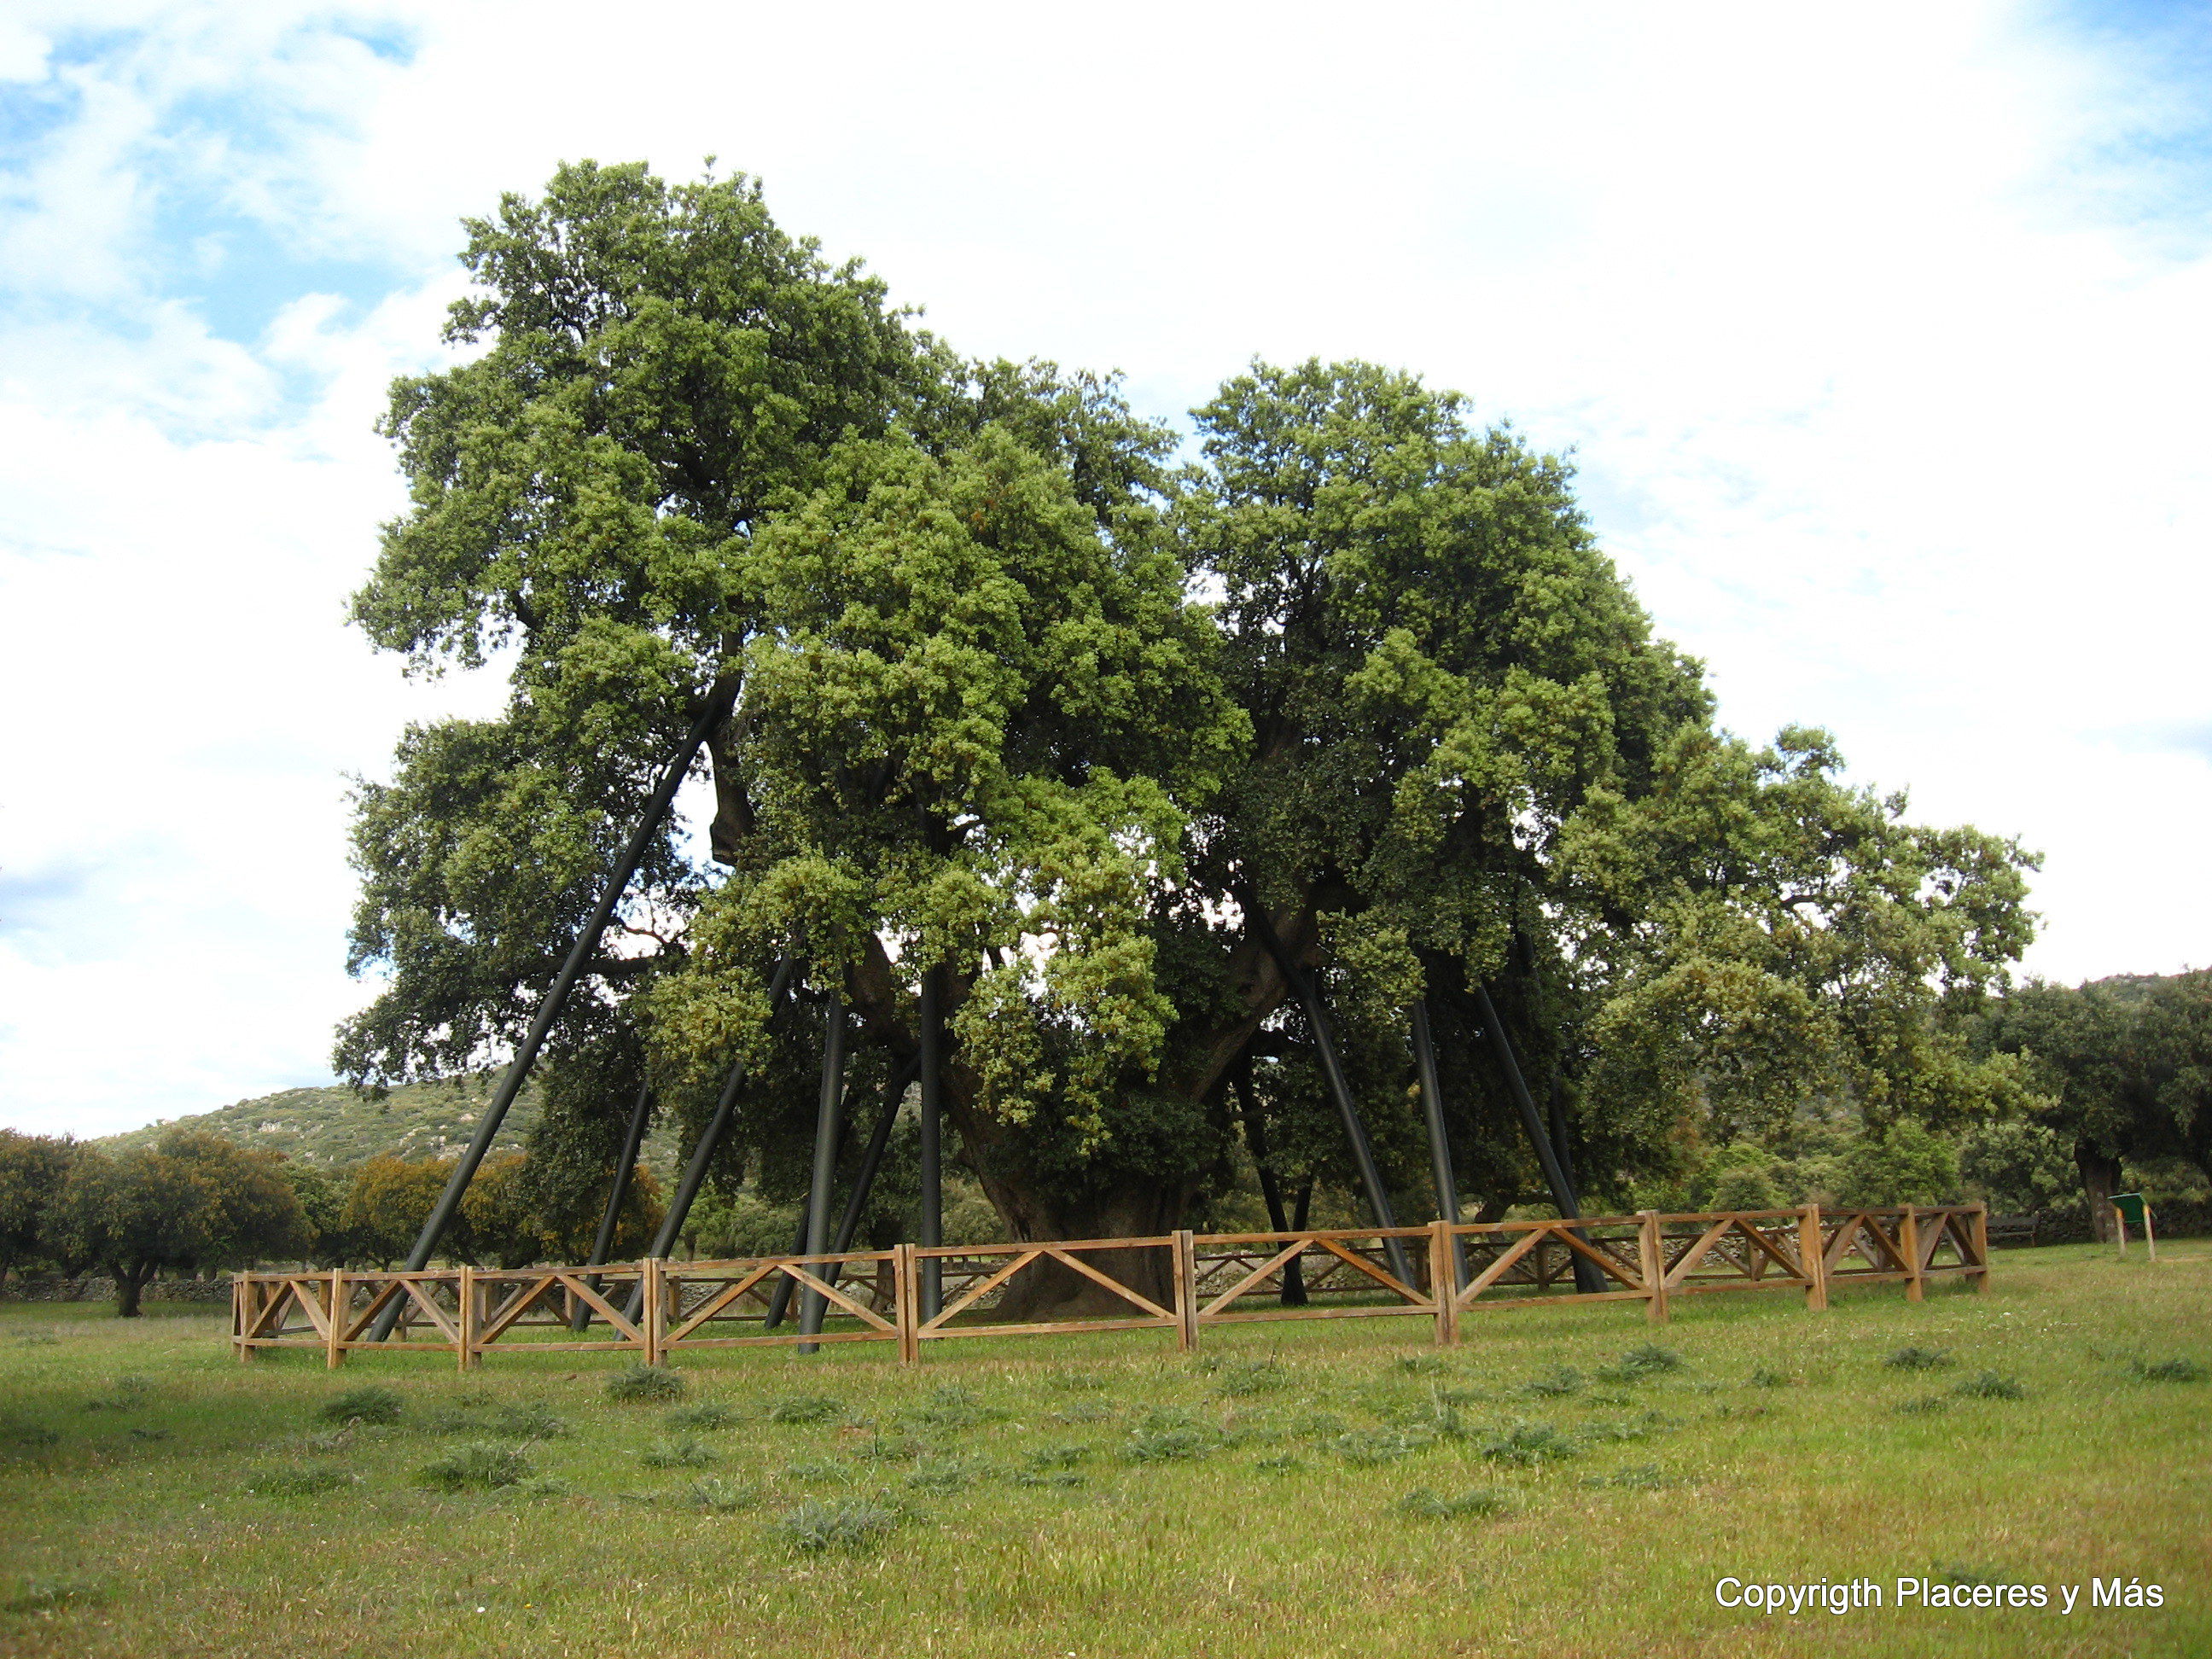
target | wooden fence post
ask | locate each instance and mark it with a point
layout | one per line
(241, 1285)
(655, 1315)
(1652, 1257)
(1186, 1291)
(465, 1317)
(1812, 1258)
(906, 1302)
(1444, 1282)
(1908, 1236)
(334, 1354)
(1980, 1233)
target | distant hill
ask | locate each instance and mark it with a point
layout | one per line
(335, 1127)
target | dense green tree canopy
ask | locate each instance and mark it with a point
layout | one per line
(1011, 699)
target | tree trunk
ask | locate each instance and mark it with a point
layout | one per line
(2101, 1178)
(129, 1283)
(1049, 1290)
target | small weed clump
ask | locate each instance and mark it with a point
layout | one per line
(1246, 1378)
(1926, 1404)
(1080, 1411)
(1637, 1477)
(945, 1475)
(129, 1395)
(43, 1594)
(1989, 1385)
(306, 1482)
(526, 1420)
(638, 1383)
(680, 1452)
(1423, 1365)
(852, 1523)
(951, 1407)
(1765, 1376)
(1913, 1358)
(1481, 1504)
(1170, 1437)
(1526, 1443)
(1058, 1457)
(721, 1497)
(480, 1465)
(706, 1416)
(1557, 1382)
(798, 1408)
(27, 1437)
(1374, 1447)
(1074, 1382)
(370, 1403)
(2167, 1370)
(1644, 1360)
(1280, 1463)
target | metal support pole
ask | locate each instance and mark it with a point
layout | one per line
(828, 1109)
(931, 1227)
(557, 996)
(710, 1141)
(871, 1161)
(1432, 1109)
(1363, 1152)
(1587, 1276)
(633, 1138)
(1271, 1187)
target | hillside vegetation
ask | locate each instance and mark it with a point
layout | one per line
(336, 1129)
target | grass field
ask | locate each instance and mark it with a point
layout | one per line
(1550, 1487)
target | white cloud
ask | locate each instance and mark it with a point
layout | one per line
(1878, 334)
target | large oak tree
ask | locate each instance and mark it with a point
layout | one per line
(1011, 699)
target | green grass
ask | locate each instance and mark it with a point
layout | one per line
(1336, 1487)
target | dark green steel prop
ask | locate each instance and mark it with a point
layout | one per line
(1587, 1276)
(580, 953)
(633, 1138)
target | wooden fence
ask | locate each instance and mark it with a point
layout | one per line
(1181, 1282)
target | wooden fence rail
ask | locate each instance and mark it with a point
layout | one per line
(1181, 1282)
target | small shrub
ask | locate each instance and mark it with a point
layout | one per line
(1481, 1503)
(1642, 1427)
(370, 1403)
(2167, 1370)
(638, 1383)
(149, 1434)
(852, 1523)
(894, 1449)
(806, 1408)
(1989, 1385)
(1444, 1418)
(682, 1452)
(303, 1481)
(30, 1437)
(479, 1465)
(1646, 1359)
(1763, 1376)
(817, 1468)
(1557, 1383)
(1058, 1457)
(707, 1415)
(1914, 1358)
(1529, 1443)
(722, 1497)
(545, 1485)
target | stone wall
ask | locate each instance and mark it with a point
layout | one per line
(215, 1292)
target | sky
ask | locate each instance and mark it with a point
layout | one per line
(1879, 335)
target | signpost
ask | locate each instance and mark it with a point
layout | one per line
(2133, 1207)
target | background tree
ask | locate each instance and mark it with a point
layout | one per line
(386, 1204)
(32, 1170)
(189, 1200)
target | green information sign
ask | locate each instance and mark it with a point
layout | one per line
(2131, 1206)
